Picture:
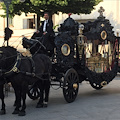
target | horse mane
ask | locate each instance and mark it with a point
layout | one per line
(10, 54)
(10, 49)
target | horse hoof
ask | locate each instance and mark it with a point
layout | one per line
(22, 113)
(39, 106)
(2, 112)
(16, 112)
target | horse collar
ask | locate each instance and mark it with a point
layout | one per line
(15, 67)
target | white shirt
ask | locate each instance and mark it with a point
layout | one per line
(44, 27)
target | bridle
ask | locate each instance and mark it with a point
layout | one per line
(15, 69)
(40, 43)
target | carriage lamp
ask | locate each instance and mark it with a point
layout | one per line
(81, 28)
(81, 36)
(117, 32)
(80, 40)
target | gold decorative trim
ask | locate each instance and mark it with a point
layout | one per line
(1, 52)
(117, 56)
(103, 35)
(104, 83)
(102, 25)
(66, 53)
(75, 86)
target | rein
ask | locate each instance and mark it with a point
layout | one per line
(37, 41)
(41, 45)
(15, 68)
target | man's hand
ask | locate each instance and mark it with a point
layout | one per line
(44, 33)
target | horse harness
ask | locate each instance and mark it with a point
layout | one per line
(15, 69)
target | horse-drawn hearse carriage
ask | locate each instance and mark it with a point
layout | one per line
(87, 51)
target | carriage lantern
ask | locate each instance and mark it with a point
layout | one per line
(80, 40)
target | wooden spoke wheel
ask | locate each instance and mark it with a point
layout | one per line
(33, 92)
(70, 85)
(96, 86)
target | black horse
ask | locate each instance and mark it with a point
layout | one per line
(23, 71)
(38, 46)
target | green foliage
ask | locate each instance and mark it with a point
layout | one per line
(79, 6)
(66, 6)
(53, 6)
(54, 27)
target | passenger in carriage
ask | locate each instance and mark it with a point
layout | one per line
(46, 32)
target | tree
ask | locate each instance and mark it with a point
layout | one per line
(80, 6)
(52, 6)
(66, 6)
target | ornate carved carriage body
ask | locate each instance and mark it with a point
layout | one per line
(100, 44)
(65, 43)
(92, 52)
(84, 52)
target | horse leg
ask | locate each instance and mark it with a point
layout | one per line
(23, 95)
(18, 100)
(40, 102)
(47, 89)
(3, 111)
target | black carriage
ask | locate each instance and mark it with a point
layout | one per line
(88, 51)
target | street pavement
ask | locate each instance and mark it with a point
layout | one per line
(90, 104)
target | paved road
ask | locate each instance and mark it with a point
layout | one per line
(89, 105)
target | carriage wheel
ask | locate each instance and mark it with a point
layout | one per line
(33, 92)
(70, 85)
(96, 86)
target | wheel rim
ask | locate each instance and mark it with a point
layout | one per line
(96, 86)
(71, 85)
(34, 92)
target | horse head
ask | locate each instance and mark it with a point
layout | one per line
(33, 45)
(28, 43)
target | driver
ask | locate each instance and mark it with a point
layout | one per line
(45, 31)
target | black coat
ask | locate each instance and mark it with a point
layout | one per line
(49, 28)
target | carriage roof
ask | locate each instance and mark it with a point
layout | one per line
(100, 29)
